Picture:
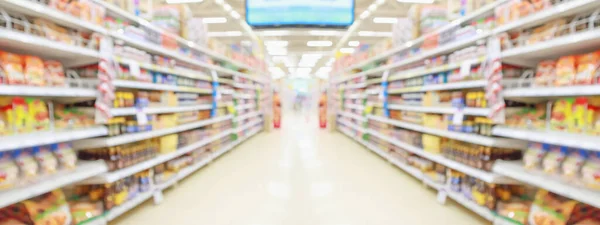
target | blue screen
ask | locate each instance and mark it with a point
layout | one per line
(269, 13)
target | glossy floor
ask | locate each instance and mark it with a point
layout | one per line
(299, 175)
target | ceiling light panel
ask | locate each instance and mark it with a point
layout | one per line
(235, 14)
(354, 43)
(347, 50)
(214, 20)
(374, 34)
(319, 43)
(276, 43)
(390, 20)
(417, 1)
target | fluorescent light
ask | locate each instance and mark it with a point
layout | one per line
(304, 64)
(275, 33)
(324, 33)
(214, 20)
(276, 43)
(347, 50)
(278, 52)
(385, 20)
(365, 14)
(225, 34)
(319, 43)
(235, 14)
(227, 7)
(378, 2)
(372, 7)
(182, 1)
(354, 43)
(417, 1)
(374, 34)
(220, 2)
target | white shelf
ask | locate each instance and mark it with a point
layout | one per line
(432, 184)
(246, 106)
(49, 137)
(113, 176)
(487, 9)
(421, 72)
(583, 141)
(129, 138)
(439, 87)
(357, 95)
(352, 125)
(441, 110)
(488, 177)
(247, 116)
(128, 205)
(568, 8)
(466, 137)
(51, 182)
(353, 116)
(67, 92)
(158, 110)
(245, 86)
(530, 55)
(183, 173)
(353, 86)
(69, 55)
(158, 87)
(548, 182)
(355, 106)
(35, 9)
(543, 92)
(245, 96)
(480, 210)
(248, 125)
(189, 73)
(129, 16)
(409, 169)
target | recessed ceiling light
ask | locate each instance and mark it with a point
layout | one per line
(214, 20)
(354, 43)
(319, 43)
(417, 1)
(385, 20)
(347, 50)
(182, 1)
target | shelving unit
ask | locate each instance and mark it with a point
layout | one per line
(204, 73)
(407, 70)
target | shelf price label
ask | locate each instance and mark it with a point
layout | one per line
(134, 69)
(141, 116)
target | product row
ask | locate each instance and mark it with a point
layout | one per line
(156, 99)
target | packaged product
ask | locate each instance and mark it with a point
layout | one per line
(46, 160)
(12, 67)
(54, 32)
(9, 171)
(587, 68)
(84, 209)
(49, 208)
(590, 172)
(37, 115)
(54, 73)
(534, 155)
(554, 159)
(562, 114)
(65, 155)
(565, 71)
(34, 70)
(571, 167)
(27, 164)
(517, 211)
(549, 208)
(546, 73)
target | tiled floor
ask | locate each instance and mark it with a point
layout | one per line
(299, 175)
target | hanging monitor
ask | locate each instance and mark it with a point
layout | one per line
(299, 13)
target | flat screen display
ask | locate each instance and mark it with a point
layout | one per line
(311, 13)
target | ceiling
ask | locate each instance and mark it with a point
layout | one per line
(235, 30)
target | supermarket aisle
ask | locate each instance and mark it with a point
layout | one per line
(299, 176)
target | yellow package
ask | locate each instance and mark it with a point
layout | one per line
(168, 143)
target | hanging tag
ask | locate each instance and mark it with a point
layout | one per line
(458, 117)
(465, 68)
(134, 69)
(158, 197)
(141, 117)
(442, 196)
